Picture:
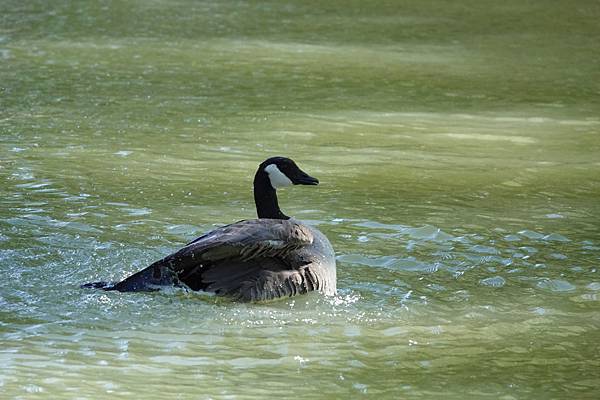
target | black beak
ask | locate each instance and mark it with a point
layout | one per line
(305, 179)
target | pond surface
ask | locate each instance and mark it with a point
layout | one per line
(457, 145)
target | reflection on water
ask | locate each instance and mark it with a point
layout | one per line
(457, 154)
(414, 303)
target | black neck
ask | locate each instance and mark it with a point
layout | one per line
(265, 197)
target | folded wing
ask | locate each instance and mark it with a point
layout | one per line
(248, 260)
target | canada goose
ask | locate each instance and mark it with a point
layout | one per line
(251, 260)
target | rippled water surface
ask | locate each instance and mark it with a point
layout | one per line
(457, 147)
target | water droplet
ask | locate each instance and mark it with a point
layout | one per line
(512, 238)
(360, 387)
(594, 286)
(556, 285)
(539, 310)
(531, 234)
(494, 281)
(555, 237)
(483, 249)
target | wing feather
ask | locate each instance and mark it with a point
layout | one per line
(248, 260)
(244, 240)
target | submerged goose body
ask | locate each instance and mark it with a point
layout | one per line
(251, 260)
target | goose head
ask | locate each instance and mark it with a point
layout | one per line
(272, 174)
(284, 172)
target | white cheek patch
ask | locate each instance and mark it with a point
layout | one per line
(278, 179)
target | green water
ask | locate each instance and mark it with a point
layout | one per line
(457, 145)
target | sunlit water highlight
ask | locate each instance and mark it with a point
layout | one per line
(458, 160)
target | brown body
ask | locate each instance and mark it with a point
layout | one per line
(251, 260)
